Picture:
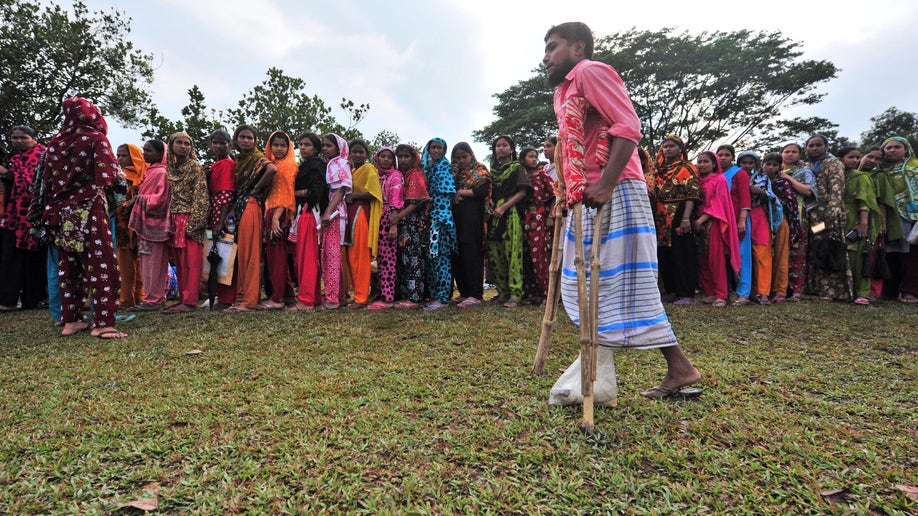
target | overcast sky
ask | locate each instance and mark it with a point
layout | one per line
(430, 68)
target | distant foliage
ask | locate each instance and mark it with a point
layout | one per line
(48, 53)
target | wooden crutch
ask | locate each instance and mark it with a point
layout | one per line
(554, 293)
(589, 309)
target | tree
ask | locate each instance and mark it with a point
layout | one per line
(280, 103)
(892, 122)
(708, 88)
(524, 111)
(772, 135)
(384, 138)
(48, 54)
(197, 123)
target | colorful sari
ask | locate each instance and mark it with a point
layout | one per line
(22, 263)
(81, 173)
(363, 230)
(537, 248)
(860, 195)
(828, 245)
(391, 182)
(505, 234)
(469, 214)
(413, 234)
(675, 183)
(280, 199)
(442, 188)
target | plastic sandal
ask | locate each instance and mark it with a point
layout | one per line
(720, 303)
(379, 305)
(862, 301)
(434, 306)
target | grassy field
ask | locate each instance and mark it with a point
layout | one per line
(808, 408)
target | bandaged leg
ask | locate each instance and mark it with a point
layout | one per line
(567, 390)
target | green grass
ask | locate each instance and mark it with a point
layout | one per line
(398, 412)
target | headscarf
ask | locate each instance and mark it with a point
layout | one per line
(676, 181)
(247, 168)
(338, 167)
(151, 217)
(903, 178)
(719, 205)
(281, 195)
(817, 160)
(366, 179)
(476, 175)
(772, 205)
(79, 166)
(391, 180)
(442, 187)
(190, 195)
(415, 181)
(504, 178)
(134, 172)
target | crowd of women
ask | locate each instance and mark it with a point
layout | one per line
(406, 229)
(800, 221)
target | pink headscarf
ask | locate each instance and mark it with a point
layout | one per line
(391, 181)
(338, 169)
(719, 205)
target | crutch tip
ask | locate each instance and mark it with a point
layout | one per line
(587, 427)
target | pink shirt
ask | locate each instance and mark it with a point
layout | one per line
(604, 90)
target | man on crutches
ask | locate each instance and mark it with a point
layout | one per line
(607, 207)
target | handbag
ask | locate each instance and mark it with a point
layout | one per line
(829, 254)
(226, 248)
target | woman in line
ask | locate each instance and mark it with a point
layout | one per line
(253, 177)
(509, 188)
(79, 185)
(311, 193)
(334, 218)
(823, 280)
(280, 207)
(221, 185)
(364, 209)
(676, 192)
(765, 219)
(789, 224)
(889, 227)
(803, 181)
(413, 229)
(22, 257)
(901, 166)
(537, 224)
(473, 194)
(391, 182)
(864, 217)
(151, 220)
(442, 188)
(716, 229)
(189, 207)
(739, 182)
(130, 157)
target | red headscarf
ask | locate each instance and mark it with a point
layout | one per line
(719, 205)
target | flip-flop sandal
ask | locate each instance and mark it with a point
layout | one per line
(720, 303)
(469, 301)
(660, 392)
(124, 318)
(110, 334)
(380, 305)
(263, 306)
(300, 307)
(235, 309)
(431, 307)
